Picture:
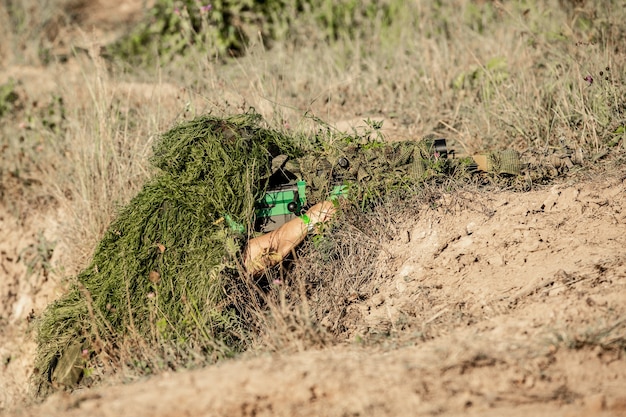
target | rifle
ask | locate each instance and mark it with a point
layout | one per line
(283, 202)
(279, 205)
(287, 199)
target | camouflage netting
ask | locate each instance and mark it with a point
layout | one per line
(161, 272)
(374, 168)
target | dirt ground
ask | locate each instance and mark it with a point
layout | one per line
(521, 299)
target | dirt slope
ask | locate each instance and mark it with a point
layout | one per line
(499, 304)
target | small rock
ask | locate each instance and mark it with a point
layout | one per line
(595, 403)
(401, 285)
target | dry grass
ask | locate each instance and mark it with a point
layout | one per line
(309, 301)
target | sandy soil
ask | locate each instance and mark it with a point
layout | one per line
(522, 300)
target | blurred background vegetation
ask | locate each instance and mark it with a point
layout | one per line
(423, 57)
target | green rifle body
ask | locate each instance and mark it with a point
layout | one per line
(281, 204)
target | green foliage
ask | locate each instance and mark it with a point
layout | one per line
(479, 17)
(175, 29)
(619, 135)
(350, 18)
(52, 116)
(603, 98)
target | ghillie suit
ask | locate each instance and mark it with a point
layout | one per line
(161, 274)
(372, 169)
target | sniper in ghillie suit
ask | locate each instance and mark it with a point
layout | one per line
(167, 276)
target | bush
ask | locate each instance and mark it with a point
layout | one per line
(174, 29)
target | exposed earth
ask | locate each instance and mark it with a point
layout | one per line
(521, 299)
